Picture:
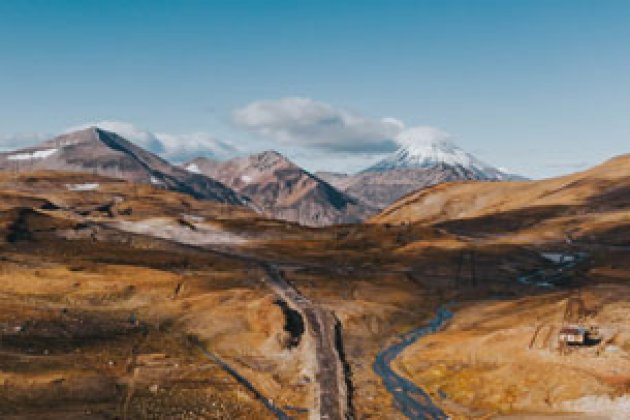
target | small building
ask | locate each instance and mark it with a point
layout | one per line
(579, 335)
(573, 335)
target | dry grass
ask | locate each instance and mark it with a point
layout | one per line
(504, 357)
(77, 293)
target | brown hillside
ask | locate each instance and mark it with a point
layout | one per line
(592, 201)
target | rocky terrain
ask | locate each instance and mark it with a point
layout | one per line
(283, 190)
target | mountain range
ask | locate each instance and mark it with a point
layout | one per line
(267, 182)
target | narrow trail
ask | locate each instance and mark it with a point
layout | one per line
(410, 399)
(281, 415)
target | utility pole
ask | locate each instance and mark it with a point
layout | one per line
(473, 271)
(463, 256)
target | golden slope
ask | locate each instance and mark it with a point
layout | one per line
(592, 189)
(593, 202)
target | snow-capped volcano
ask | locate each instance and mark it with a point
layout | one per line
(428, 148)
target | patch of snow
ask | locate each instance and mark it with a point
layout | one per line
(156, 181)
(615, 408)
(193, 218)
(83, 187)
(246, 179)
(192, 167)
(36, 154)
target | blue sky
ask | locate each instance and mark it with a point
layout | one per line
(539, 87)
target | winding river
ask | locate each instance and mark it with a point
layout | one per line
(410, 399)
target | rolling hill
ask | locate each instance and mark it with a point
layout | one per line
(591, 204)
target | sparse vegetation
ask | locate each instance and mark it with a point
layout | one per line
(95, 317)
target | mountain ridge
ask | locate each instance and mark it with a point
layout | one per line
(602, 189)
(282, 189)
(106, 153)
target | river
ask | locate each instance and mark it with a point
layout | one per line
(410, 399)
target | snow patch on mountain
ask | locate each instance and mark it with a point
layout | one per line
(194, 168)
(36, 154)
(91, 186)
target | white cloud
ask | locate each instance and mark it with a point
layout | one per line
(20, 140)
(318, 135)
(173, 147)
(422, 136)
(183, 147)
(309, 123)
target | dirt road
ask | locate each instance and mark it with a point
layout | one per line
(333, 400)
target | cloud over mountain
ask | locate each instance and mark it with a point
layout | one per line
(173, 147)
(309, 123)
(420, 136)
(18, 140)
(317, 135)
